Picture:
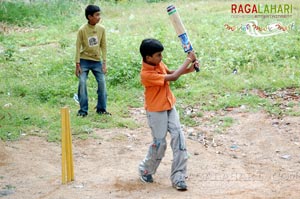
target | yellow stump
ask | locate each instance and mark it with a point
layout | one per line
(67, 169)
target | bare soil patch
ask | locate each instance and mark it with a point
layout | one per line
(257, 157)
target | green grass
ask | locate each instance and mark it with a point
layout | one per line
(37, 63)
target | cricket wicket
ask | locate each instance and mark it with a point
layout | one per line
(66, 147)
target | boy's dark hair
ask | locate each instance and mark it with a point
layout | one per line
(150, 46)
(90, 10)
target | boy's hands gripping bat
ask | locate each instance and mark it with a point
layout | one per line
(180, 30)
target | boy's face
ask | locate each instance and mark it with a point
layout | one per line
(95, 18)
(155, 59)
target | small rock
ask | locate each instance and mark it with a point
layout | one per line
(143, 111)
(196, 153)
(233, 147)
(7, 105)
(286, 157)
(79, 186)
(190, 130)
(234, 156)
(6, 192)
(243, 107)
(129, 148)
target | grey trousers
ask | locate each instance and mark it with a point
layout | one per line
(161, 123)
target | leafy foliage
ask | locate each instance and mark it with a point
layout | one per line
(37, 68)
(40, 12)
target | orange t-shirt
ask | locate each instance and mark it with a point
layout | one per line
(158, 95)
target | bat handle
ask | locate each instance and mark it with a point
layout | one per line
(196, 67)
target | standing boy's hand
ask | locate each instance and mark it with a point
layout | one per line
(104, 69)
(78, 70)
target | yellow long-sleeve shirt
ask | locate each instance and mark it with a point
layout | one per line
(91, 43)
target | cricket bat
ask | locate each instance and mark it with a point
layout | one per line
(180, 30)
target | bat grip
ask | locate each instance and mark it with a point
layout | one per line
(196, 66)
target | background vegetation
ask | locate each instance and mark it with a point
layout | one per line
(37, 45)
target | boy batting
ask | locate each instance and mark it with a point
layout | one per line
(161, 113)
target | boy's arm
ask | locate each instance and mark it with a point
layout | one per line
(77, 55)
(170, 71)
(183, 69)
(78, 47)
(104, 51)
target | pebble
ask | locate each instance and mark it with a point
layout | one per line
(286, 157)
(6, 192)
(234, 156)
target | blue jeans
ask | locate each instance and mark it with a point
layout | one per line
(96, 68)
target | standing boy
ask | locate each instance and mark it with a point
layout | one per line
(161, 113)
(91, 56)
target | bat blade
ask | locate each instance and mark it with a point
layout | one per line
(180, 30)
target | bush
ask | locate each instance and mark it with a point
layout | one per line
(37, 13)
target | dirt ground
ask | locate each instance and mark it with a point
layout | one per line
(257, 157)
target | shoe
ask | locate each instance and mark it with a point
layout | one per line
(146, 178)
(103, 113)
(82, 114)
(180, 186)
